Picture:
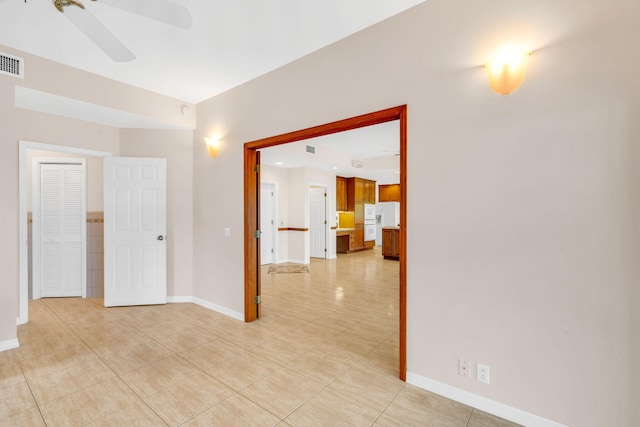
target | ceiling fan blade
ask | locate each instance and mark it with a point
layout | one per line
(158, 10)
(99, 34)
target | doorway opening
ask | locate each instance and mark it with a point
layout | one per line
(317, 222)
(267, 223)
(252, 203)
(23, 190)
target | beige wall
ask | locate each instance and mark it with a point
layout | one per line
(522, 238)
(176, 146)
(58, 79)
(522, 210)
(8, 214)
(17, 124)
(56, 130)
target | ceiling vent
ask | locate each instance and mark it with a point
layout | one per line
(358, 164)
(11, 65)
(311, 149)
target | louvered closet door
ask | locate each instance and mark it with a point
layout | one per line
(62, 230)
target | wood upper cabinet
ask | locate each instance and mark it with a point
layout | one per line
(341, 193)
(360, 191)
(359, 194)
(370, 192)
(389, 193)
(351, 194)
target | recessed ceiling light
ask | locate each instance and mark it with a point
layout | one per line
(278, 163)
(335, 168)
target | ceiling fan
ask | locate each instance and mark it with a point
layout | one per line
(159, 10)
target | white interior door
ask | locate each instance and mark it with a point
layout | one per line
(135, 253)
(317, 222)
(267, 224)
(59, 230)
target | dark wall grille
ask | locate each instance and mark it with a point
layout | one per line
(11, 65)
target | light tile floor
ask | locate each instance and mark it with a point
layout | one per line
(324, 353)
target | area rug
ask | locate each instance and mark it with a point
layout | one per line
(288, 268)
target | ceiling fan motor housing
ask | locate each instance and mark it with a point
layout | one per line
(59, 4)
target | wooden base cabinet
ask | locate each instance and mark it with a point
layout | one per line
(391, 243)
(346, 242)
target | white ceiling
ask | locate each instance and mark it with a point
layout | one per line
(229, 43)
(375, 147)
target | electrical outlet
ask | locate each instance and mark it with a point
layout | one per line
(464, 368)
(483, 373)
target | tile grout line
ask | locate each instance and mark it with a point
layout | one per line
(33, 396)
(98, 356)
(469, 418)
(389, 404)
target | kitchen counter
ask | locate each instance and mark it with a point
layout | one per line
(390, 227)
(344, 231)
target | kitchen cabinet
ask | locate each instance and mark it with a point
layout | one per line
(341, 194)
(389, 193)
(358, 193)
(391, 243)
(358, 215)
(360, 190)
(369, 192)
(345, 241)
(359, 234)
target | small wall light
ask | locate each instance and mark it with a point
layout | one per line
(213, 146)
(506, 69)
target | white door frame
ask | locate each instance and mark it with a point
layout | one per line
(325, 187)
(36, 238)
(23, 184)
(274, 215)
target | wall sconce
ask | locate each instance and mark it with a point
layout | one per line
(213, 146)
(506, 69)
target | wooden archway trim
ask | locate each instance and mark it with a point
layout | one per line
(251, 180)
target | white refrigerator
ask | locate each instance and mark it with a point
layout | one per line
(387, 215)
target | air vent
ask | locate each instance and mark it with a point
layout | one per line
(311, 149)
(11, 65)
(358, 164)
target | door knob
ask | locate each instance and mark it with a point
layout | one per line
(160, 237)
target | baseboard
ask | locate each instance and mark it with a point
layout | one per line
(172, 300)
(482, 403)
(9, 344)
(206, 304)
(218, 308)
